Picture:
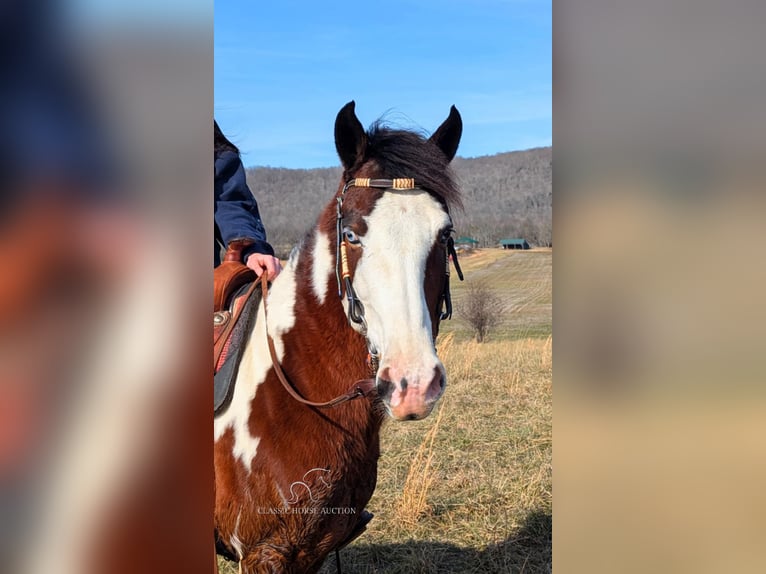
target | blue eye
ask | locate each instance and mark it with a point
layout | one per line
(350, 236)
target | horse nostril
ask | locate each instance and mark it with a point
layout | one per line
(442, 382)
(385, 387)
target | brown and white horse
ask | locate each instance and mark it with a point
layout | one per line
(292, 480)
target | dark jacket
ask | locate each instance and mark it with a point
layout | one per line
(236, 212)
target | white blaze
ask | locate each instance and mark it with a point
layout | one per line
(401, 231)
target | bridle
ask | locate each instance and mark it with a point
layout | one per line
(363, 387)
(342, 272)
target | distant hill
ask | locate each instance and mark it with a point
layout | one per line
(505, 195)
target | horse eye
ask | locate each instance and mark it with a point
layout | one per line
(445, 234)
(350, 236)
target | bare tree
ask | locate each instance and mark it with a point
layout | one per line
(481, 308)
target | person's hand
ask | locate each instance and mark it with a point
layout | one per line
(260, 262)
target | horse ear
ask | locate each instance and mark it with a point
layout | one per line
(350, 139)
(447, 136)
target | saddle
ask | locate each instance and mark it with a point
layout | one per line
(236, 295)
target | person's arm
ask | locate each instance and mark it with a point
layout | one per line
(236, 211)
(237, 216)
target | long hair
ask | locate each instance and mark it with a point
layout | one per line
(221, 142)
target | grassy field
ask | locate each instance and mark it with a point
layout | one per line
(468, 490)
(521, 278)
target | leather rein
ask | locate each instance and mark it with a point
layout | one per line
(362, 387)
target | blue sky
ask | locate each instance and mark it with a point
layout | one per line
(284, 68)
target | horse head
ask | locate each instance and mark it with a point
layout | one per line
(393, 233)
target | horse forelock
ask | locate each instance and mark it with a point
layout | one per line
(394, 153)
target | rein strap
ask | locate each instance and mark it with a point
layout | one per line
(361, 388)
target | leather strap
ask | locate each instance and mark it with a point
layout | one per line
(396, 183)
(361, 388)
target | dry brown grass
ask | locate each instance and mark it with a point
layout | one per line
(468, 490)
(412, 503)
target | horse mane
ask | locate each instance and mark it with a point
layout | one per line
(402, 153)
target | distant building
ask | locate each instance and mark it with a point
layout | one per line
(466, 243)
(515, 243)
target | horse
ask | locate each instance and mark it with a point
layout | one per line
(362, 294)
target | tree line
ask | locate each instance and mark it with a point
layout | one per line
(504, 195)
